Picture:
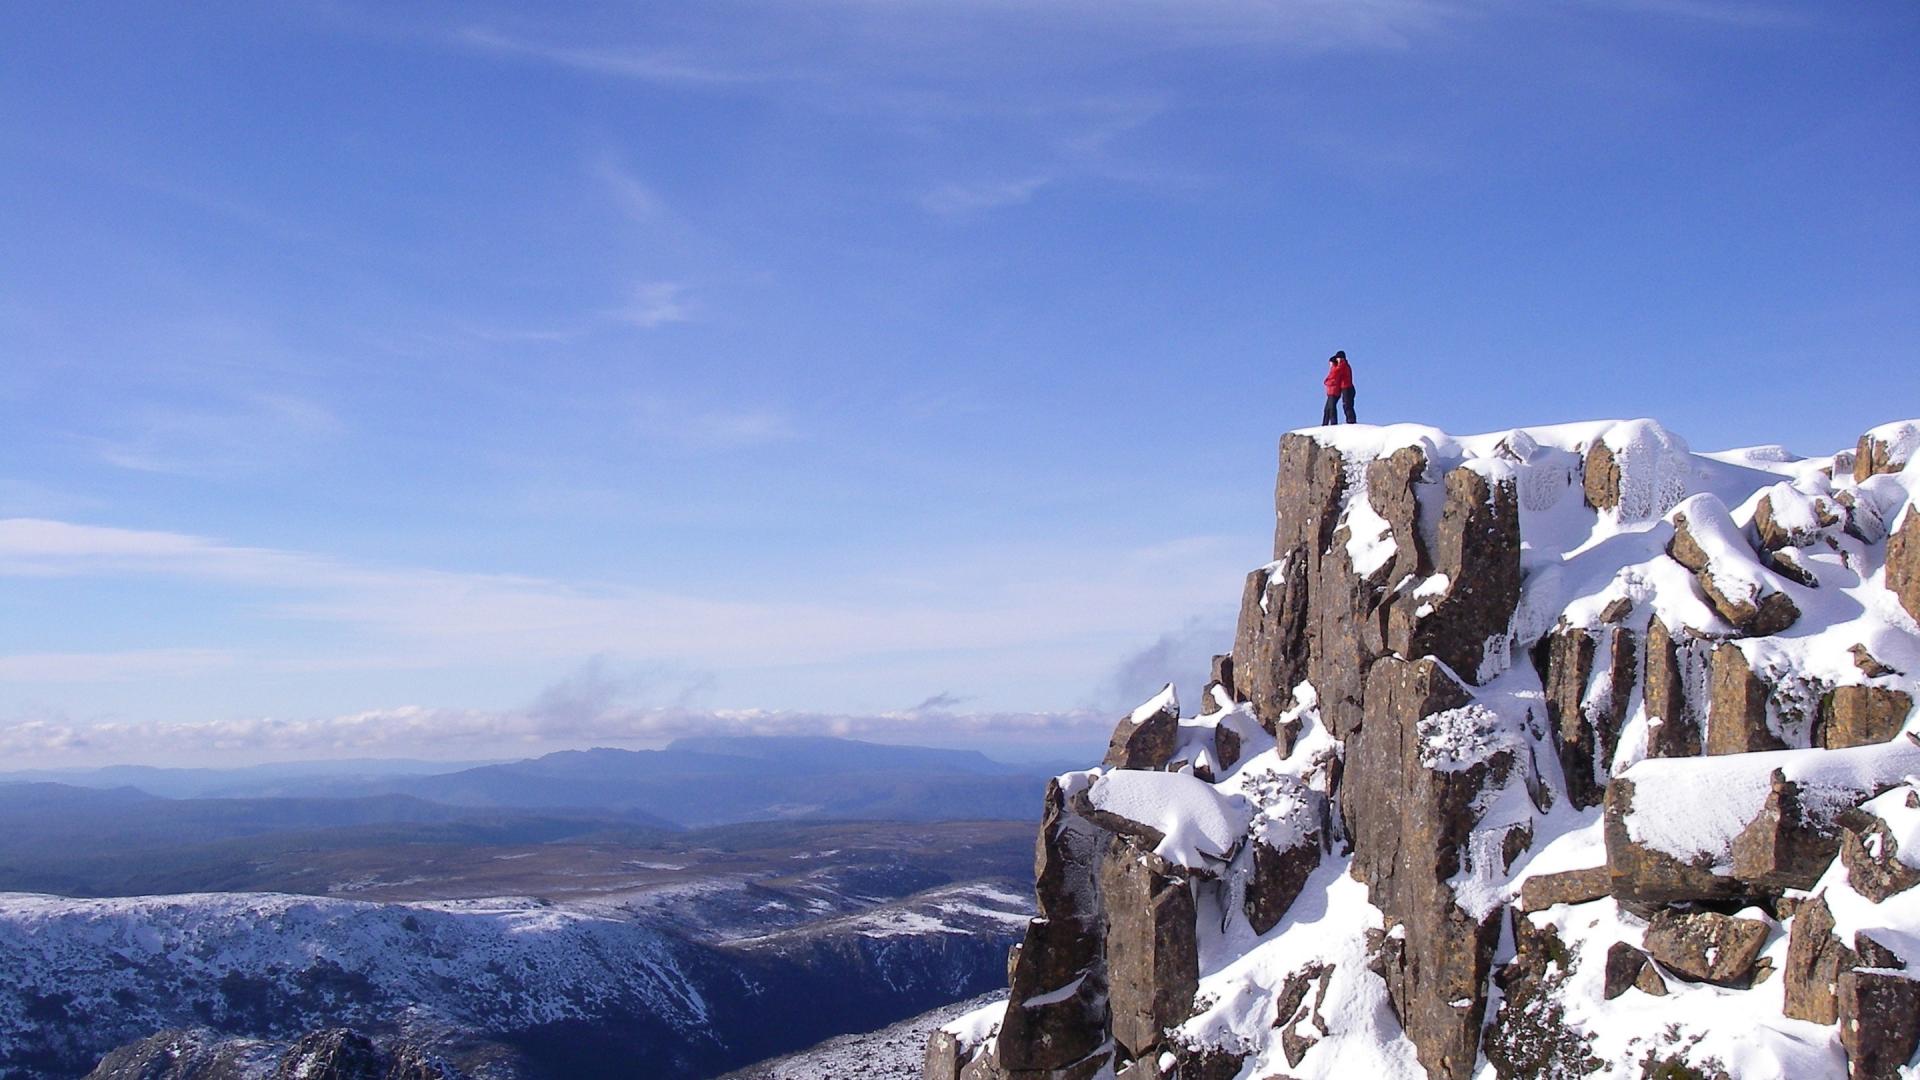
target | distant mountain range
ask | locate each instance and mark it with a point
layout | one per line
(694, 782)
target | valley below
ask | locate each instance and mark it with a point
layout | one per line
(204, 937)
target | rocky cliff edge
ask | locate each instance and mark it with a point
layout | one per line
(1559, 751)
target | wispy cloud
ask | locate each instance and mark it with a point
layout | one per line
(435, 617)
(648, 65)
(955, 200)
(247, 434)
(655, 303)
(693, 428)
(112, 666)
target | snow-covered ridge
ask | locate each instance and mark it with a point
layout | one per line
(1578, 753)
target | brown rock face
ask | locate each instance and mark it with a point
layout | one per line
(1056, 1012)
(1862, 715)
(1903, 562)
(1600, 477)
(1879, 1021)
(1737, 705)
(1409, 826)
(1478, 549)
(1153, 960)
(1270, 647)
(1674, 726)
(1587, 725)
(1706, 946)
(1146, 743)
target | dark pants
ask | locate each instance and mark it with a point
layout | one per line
(1343, 398)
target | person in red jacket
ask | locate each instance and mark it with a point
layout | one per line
(1339, 384)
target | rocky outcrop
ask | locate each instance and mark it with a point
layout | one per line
(1145, 739)
(1701, 693)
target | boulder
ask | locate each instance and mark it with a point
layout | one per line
(1737, 705)
(193, 1054)
(1627, 969)
(1636, 471)
(1206, 1062)
(943, 1059)
(1146, 738)
(1746, 594)
(1672, 824)
(1220, 674)
(1600, 477)
(1885, 449)
(1530, 1035)
(1862, 715)
(1786, 517)
(1152, 951)
(1705, 946)
(1870, 844)
(1879, 1021)
(1542, 891)
(333, 1054)
(1815, 961)
(1286, 843)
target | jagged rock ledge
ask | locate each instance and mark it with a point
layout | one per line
(1558, 751)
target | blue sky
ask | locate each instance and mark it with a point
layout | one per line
(481, 379)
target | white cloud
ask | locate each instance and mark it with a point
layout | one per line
(416, 731)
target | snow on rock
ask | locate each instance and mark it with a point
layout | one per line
(1693, 809)
(1196, 824)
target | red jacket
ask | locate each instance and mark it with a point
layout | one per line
(1339, 377)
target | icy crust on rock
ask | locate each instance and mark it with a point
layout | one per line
(1692, 808)
(1197, 822)
(1899, 811)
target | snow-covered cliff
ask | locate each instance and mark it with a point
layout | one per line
(1561, 751)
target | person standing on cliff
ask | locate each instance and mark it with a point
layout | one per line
(1339, 384)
